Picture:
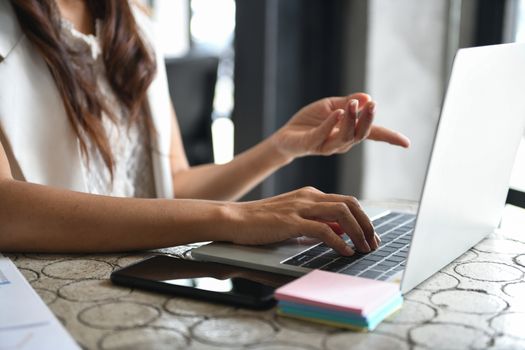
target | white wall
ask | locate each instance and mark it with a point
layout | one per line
(405, 75)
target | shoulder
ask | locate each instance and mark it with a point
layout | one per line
(143, 19)
(147, 29)
(10, 32)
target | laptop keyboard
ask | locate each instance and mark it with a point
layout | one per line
(395, 230)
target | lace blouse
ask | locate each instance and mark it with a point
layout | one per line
(130, 144)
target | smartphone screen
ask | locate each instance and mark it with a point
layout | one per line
(203, 280)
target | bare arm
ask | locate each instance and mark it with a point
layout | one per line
(36, 218)
(225, 181)
(41, 218)
(325, 127)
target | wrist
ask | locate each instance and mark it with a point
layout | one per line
(230, 219)
(197, 220)
(280, 156)
(240, 224)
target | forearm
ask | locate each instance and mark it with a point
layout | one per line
(35, 218)
(232, 180)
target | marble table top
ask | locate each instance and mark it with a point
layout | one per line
(476, 302)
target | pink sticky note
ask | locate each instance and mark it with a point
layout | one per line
(338, 292)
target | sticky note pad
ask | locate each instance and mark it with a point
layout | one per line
(318, 320)
(340, 318)
(336, 291)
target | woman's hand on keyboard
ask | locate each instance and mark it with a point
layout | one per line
(304, 212)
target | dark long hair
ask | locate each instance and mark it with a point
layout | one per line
(130, 66)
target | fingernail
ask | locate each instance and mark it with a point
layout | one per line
(377, 237)
(355, 106)
(340, 114)
(372, 107)
(349, 251)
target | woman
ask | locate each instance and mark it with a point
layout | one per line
(86, 120)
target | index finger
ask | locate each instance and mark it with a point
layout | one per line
(380, 133)
(340, 212)
(324, 233)
(360, 216)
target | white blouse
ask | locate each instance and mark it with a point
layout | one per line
(130, 143)
(40, 141)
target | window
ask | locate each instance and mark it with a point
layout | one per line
(172, 25)
(203, 26)
(212, 28)
(520, 22)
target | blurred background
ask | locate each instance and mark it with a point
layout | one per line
(238, 70)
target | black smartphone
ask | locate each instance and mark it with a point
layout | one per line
(203, 280)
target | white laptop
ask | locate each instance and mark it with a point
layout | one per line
(481, 124)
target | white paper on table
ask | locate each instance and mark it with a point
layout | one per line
(25, 320)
